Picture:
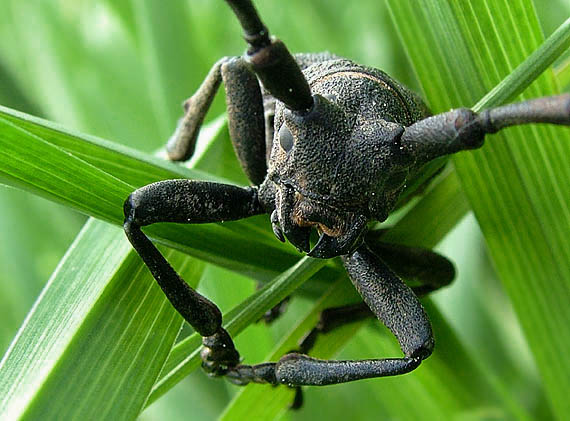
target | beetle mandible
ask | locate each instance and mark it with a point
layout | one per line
(329, 145)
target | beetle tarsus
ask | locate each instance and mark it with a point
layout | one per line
(182, 143)
(302, 370)
(219, 353)
(245, 374)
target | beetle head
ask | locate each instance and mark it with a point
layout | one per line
(334, 168)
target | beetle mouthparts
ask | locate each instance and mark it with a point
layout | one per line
(295, 216)
(328, 247)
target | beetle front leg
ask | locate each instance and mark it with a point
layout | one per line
(429, 269)
(188, 201)
(332, 318)
(394, 303)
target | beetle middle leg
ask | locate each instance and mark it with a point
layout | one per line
(424, 267)
(245, 116)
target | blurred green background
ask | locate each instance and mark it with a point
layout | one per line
(120, 70)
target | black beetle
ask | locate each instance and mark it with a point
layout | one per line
(328, 144)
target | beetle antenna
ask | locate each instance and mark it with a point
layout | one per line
(254, 31)
(462, 129)
(551, 110)
(271, 61)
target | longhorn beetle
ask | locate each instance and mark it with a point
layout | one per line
(327, 144)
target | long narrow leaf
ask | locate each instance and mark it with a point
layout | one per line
(93, 329)
(516, 182)
(95, 176)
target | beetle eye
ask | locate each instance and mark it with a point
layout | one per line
(330, 97)
(285, 138)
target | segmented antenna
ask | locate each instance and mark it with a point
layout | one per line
(271, 61)
(254, 31)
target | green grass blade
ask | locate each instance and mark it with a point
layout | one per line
(95, 177)
(514, 182)
(62, 165)
(533, 66)
(91, 336)
(562, 73)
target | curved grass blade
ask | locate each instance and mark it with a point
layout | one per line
(95, 176)
(514, 182)
(530, 69)
(91, 337)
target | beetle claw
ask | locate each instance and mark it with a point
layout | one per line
(299, 237)
(278, 233)
(277, 227)
(328, 246)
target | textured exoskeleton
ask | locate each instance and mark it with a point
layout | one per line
(329, 145)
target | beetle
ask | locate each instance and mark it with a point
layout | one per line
(328, 145)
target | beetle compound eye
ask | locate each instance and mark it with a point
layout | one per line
(330, 97)
(285, 138)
